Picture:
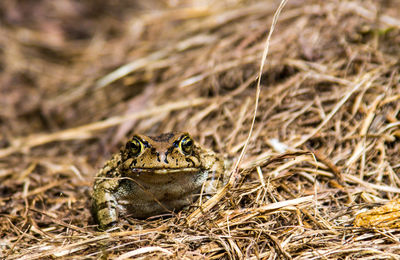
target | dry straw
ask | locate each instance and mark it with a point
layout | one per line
(310, 135)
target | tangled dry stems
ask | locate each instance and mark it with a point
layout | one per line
(324, 146)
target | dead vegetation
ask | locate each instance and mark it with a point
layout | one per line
(77, 78)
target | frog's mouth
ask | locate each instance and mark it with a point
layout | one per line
(164, 171)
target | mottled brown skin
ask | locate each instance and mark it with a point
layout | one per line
(154, 175)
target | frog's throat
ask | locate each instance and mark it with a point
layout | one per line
(164, 171)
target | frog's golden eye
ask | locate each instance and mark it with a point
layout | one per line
(135, 146)
(186, 145)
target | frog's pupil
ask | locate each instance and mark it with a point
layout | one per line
(135, 146)
(187, 144)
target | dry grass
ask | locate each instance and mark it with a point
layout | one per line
(75, 84)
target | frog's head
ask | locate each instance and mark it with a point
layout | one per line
(162, 154)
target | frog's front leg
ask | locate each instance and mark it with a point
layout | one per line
(216, 177)
(104, 204)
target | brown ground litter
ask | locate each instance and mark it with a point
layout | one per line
(78, 77)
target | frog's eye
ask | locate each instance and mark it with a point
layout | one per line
(135, 146)
(186, 145)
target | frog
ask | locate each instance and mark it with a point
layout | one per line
(154, 175)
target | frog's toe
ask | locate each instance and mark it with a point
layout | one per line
(107, 226)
